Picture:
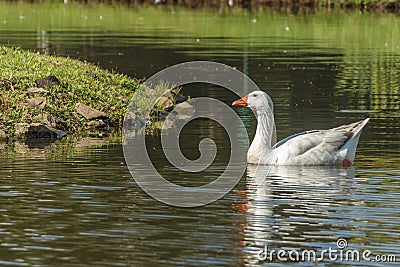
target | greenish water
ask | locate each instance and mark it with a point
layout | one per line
(66, 206)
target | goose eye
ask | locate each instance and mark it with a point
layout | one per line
(254, 95)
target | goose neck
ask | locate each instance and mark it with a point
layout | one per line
(265, 129)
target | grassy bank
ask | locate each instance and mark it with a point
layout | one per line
(80, 82)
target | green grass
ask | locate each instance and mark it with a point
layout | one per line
(109, 92)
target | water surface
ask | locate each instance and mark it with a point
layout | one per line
(70, 206)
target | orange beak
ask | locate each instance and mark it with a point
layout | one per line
(240, 102)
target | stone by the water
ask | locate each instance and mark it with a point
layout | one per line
(36, 90)
(38, 130)
(184, 111)
(90, 113)
(165, 103)
(49, 120)
(97, 124)
(21, 130)
(49, 81)
(162, 115)
(37, 102)
(3, 135)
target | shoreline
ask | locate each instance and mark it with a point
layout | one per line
(311, 6)
(391, 6)
(49, 97)
(286, 5)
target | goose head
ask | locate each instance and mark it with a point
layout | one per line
(256, 100)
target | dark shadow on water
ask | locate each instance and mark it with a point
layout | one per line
(41, 143)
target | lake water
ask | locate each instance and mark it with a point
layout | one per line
(75, 203)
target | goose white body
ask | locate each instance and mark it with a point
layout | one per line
(336, 146)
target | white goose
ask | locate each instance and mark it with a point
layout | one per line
(315, 147)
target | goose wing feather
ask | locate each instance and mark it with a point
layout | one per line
(316, 147)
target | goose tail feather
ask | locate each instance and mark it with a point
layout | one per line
(351, 145)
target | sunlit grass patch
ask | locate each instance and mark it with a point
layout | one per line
(80, 82)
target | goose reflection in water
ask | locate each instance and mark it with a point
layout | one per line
(296, 207)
